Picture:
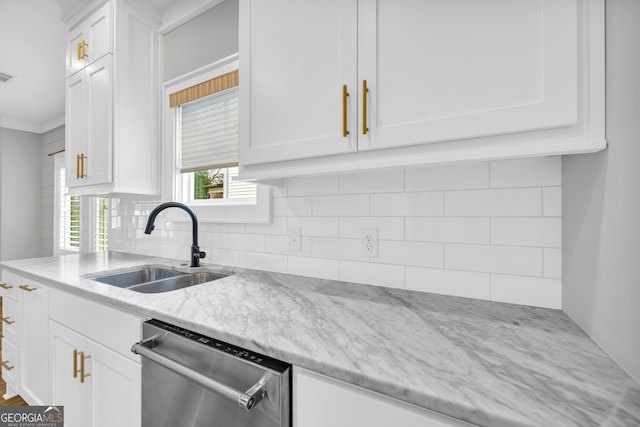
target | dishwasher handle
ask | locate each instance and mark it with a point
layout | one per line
(246, 400)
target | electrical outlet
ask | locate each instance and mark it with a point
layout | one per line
(369, 242)
(295, 239)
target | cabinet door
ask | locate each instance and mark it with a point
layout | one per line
(89, 124)
(98, 28)
(75, 396)
(75, 59)
(110, 394)
(76, 126)
(319, 401)
(445, 70)
(34, 344)
(99, 86)
(296, 57)
(116, 384)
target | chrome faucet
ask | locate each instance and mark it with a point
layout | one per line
(195, 250)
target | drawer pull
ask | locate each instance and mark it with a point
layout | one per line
(5, 286)
(7, 321)
(27, 288)
(5, 365)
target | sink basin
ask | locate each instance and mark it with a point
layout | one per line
(136, 277)
(177, 282)
(151, 280)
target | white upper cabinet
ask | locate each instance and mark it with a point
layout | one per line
(428, 82)
(295, 62)
(90, 41)
(444, 70)
(112, 103)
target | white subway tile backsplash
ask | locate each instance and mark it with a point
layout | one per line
(373, 182)
(489, 230)
(526, 290)
(449, 177)
(451, 230)
(500, 202)
(347, 205)
(389, 228)
(312, 186)
(494, 259)
(315, 267)
(292, 206)
(246, 242)
(543, 232)
(278, 225)
(552, 201)
(337, 248)
(449, 282)
(410, 253)
(317, 226)
(407, 204)
(553, 263)
(280, 245)
(532, 172)
(391, 276)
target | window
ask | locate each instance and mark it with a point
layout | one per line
(200, 145)
(207, 141)
(71, 215)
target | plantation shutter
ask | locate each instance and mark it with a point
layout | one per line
(68, 217)
(209, 124)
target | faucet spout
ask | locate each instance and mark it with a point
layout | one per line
(196, 254)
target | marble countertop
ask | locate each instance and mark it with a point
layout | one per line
(487, 363)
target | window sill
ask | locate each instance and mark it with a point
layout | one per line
(229, 212)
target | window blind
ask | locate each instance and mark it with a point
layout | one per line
(209, 132)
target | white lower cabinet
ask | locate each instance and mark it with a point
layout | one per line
(94, 374)
(25, 322)
(96, 385)
(320, 401)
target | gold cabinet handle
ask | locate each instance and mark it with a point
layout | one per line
(365, 90)
(7, 321)
(80, 371)
(27, 288)
(79, 51)
(345, 131)
(5, 286)
(84, 51)
(75, 363)
(82, 159)
(5, 365)
(77, 166)
(83, 357)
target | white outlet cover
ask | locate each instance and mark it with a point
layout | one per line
(369, 242)
(295, 239)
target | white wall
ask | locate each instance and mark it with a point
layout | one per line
(207, 38)
(20, 192)
(487, 230)
(601, 204)
(52, 141)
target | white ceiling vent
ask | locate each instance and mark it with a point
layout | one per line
(5, 77)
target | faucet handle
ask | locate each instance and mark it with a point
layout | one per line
(202, 254)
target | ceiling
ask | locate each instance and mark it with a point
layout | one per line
(32, 50)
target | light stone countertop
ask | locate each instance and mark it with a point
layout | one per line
(487, 363)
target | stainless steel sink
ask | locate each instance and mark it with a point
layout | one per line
(151, 280)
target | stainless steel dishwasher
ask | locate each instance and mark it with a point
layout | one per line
(190, 380)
